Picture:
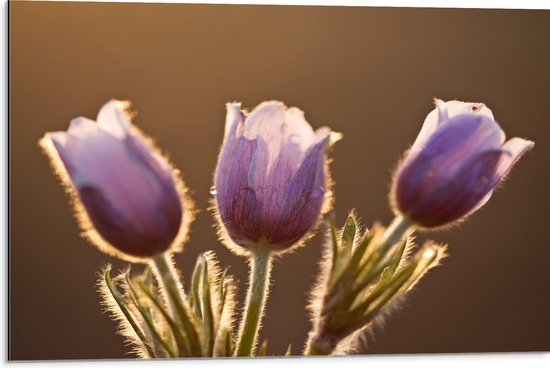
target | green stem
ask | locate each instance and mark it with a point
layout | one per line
(395, 232)
(255, 300)
(175, 300)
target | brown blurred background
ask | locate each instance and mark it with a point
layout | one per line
(371, 73)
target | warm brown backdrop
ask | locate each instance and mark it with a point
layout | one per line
(370, 73)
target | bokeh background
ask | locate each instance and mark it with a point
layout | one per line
(370, 73)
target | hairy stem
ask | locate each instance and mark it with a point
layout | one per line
(260, 270)
(395, 232)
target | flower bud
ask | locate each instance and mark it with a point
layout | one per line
(129, 199)
(272, 181)
(455, 163)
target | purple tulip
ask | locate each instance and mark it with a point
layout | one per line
(128, 196)
(455, 163)
(271, 180)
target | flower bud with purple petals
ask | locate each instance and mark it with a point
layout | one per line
(272, 181)
(455, 163)
(130, 201)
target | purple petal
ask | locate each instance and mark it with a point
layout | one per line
(304, 198)
(456, 141)
(442, 199)
(514, 149)
(443, 112)
(157, 171)
(285, 137)
(60, 143)
(257, 174)
(114, 119)
(103, 162)
(127, 189)
(234, 121)
(235, 200)
(116, 229)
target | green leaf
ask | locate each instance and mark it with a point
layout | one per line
(389, 271)
(194, 300)
(127, 314)
(181, 343)
(263, 349)
(397, 258)
(334, 243)
(424, 259)
(354, 267)
(222, 290)
(208, 319)
(345, 249)
(157, 336)
(376, 266)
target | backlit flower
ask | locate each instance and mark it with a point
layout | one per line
(272, 181)
(129, 199)
(455, 163)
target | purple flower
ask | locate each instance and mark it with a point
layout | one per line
(455, 163)
(128, 197)
(272, 180)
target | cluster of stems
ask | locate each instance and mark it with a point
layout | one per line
(363, 274)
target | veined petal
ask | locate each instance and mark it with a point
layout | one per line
(235, 200)
(260, 171)
(282, 130)
(234, 121)
(304, 197)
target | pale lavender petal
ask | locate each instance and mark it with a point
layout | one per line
(60, 142)
(304, 197)
(432, 121)
(455, 108)
(114, 119)
(514, 149)
(456, 141)
(279, 125)
(234, 125)
(81, 128)
(443, 112)
(234, 121)
(285, 136)
(103, 160)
